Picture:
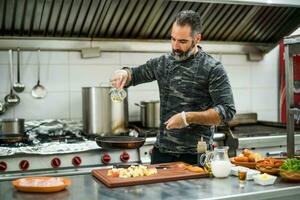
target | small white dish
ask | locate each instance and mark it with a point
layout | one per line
(264, 179)
(235, 169)
(250, 172)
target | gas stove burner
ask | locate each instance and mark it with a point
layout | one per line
(67, 137)
(143, 131)
(130, 132)
(149, 132)
(15, 141)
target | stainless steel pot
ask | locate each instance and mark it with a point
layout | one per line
(12, 127)
(101, 115)
(150, 113)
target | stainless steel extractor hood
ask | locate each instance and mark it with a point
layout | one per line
(265, 21)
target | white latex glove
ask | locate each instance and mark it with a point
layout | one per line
(177, 121)
(119, 78)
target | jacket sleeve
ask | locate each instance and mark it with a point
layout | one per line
(221, 93)
(144, 73)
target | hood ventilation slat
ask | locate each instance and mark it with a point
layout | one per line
(144, 19)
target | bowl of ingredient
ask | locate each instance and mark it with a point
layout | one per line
(269, 165)
(264, 179)
(246, 159)
(290, 170)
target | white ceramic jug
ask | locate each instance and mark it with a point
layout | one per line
(220, 163)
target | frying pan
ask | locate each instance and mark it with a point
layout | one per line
(120, 142)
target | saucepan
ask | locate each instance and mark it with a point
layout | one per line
(12, 126)
(150, 113)
(120, 142)
(12, 130)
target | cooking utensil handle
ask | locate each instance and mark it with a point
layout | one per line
(36, 126)
(11, 69)
(39, 63)
(18, 65)
(142, 106)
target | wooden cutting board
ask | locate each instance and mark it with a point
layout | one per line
(172, 172)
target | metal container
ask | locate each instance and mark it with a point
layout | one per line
(150, 113)
(12, 127)
(101, 115)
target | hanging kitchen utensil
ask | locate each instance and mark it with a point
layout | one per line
(11, 99)
(3, 108)
(39, 91)
(18, 87)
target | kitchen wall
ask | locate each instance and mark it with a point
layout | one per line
(255, 84)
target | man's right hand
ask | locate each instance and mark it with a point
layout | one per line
(119, 78)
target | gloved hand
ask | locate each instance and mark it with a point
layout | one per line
(177, 121)
(119, 78)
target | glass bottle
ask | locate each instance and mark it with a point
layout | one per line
(117, 95)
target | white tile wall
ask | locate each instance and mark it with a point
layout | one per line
(64, 73)
(75, 105)
(242, 99)
(240, 76)
(105, 58)
(134, 59)
(54, 105)
(4, 78)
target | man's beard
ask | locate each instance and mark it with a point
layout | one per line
(180, 55)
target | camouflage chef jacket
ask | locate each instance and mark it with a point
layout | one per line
(195, 84)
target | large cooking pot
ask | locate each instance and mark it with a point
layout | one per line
(11, 127)
(101, 115)
(150, 113)
(12, 130)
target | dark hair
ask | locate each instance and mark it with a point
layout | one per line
(191, 18)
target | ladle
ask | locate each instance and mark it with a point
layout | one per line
(11, 99)
(18, 87)
(3, 108)
(39, 91)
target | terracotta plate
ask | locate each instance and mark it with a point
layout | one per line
(41, 184)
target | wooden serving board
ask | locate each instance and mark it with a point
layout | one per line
(172, 172)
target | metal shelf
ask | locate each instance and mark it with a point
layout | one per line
(292, 47)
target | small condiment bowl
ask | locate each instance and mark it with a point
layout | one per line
(264, 179)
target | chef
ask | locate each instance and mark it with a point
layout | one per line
(195, 93)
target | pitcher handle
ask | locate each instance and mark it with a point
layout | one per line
(202, 159)
(206, 158)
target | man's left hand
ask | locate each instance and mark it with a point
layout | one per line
(175, 122)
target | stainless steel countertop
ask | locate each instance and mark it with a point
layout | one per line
(87, 187)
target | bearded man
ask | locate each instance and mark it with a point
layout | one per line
(195, 93)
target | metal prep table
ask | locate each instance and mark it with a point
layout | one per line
(87, 187)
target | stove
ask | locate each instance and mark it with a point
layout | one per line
(58, 147)
(267, 138)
